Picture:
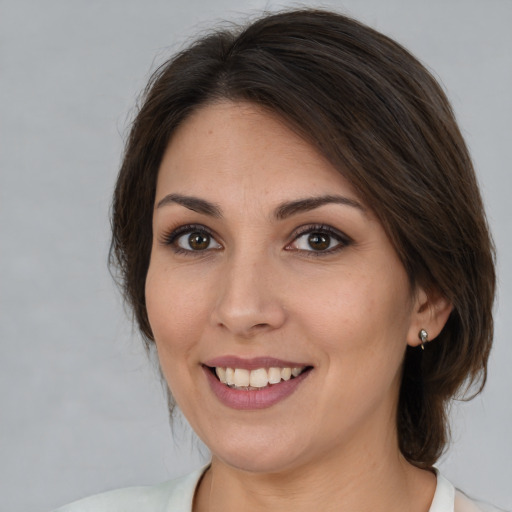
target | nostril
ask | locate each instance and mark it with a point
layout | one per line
(249, 316)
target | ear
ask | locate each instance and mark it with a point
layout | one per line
(430, 312)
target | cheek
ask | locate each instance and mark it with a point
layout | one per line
(176, 307)
(356, 314)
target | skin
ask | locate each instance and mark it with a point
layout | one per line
(259, 289)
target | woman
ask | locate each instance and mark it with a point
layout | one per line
(300, 234)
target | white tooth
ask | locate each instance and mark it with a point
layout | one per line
(258, 378)
(241, 377)
(286, 373)
(221, 373)
(296, 371)
(230, 376)
(274, 375)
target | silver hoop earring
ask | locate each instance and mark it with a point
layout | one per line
(423, 336)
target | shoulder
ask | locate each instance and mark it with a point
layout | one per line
(173, 496)
(465, 504)
(449, 499)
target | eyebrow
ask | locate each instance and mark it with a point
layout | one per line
(288, 209)
(192, 203)
(283, 211)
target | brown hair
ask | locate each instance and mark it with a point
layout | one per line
(380, 118)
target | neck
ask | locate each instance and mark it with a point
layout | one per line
(363, 481)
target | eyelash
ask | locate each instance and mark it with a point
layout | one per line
(342, 239)
(171, 238)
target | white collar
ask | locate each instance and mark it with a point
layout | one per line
(444, 497)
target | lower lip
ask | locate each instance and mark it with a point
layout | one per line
(254, 399)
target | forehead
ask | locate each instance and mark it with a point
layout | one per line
(240, 148)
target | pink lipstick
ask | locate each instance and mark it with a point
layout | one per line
(255, 383)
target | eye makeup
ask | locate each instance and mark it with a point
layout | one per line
(312, 240)
(323, 240)
(200, 240)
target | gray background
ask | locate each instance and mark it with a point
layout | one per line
(82, 409)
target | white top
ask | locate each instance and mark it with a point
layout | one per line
(177, 496)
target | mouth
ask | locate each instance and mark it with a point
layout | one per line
(244, 379)
(256, 383)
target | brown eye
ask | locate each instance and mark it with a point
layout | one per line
(199, 241)
(319, 241)
(191, 239)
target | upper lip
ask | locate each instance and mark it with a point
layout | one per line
(252, 363)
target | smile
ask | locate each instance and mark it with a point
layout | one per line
(256, 383)
(247, 380)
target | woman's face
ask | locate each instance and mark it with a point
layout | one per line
(265, 263)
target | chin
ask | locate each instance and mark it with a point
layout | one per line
(257, 463)
(263, 455)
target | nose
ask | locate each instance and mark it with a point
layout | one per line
(249, 301)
